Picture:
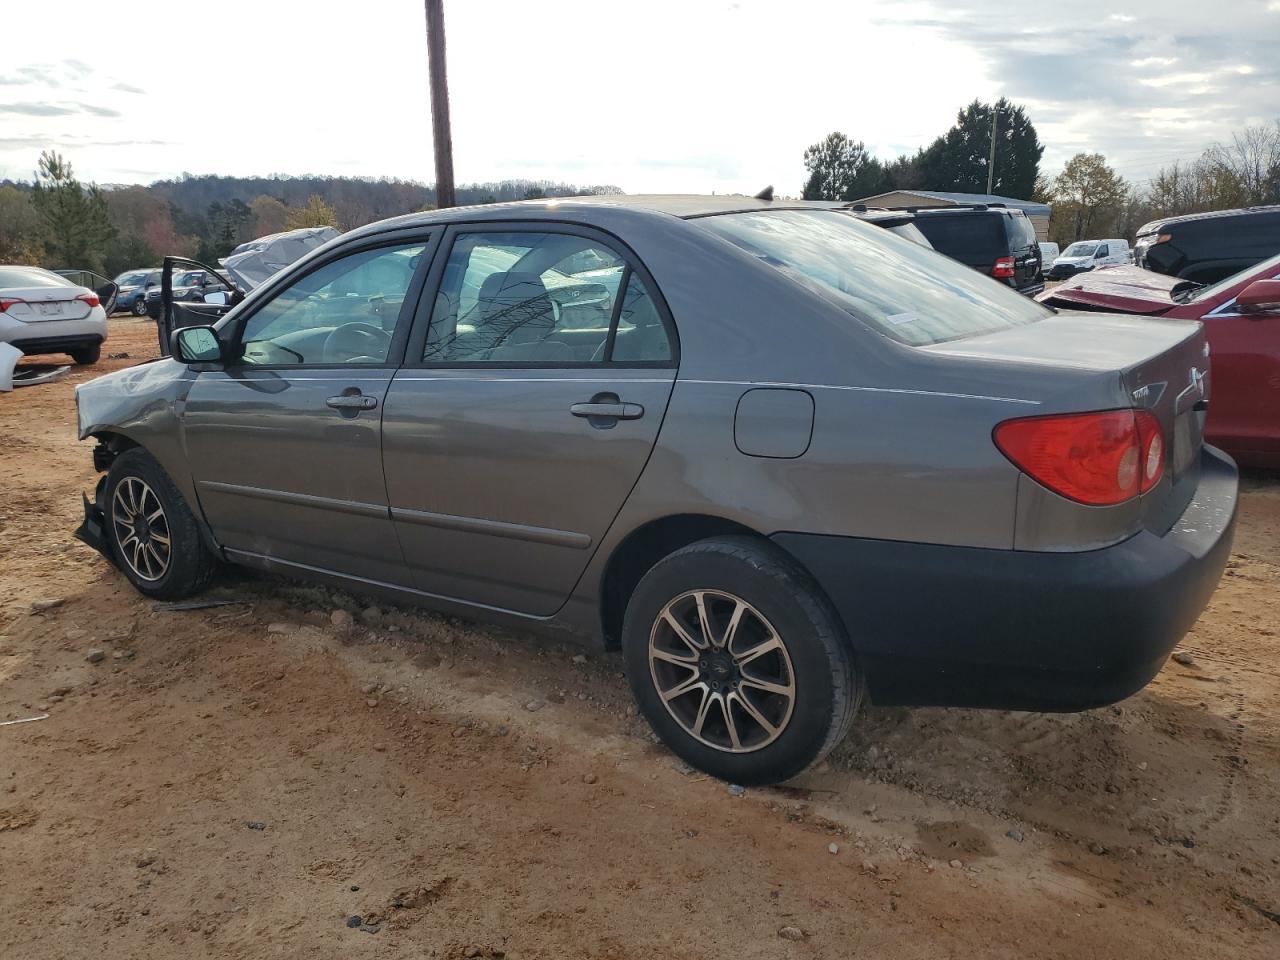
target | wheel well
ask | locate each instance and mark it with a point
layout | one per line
(640, 550)
(110, 445)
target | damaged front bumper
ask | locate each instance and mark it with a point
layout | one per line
(93, 530)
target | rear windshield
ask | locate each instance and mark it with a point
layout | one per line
(31, 277)
(898, 288)
(965, 235)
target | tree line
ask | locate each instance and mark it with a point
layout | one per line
(57, 221)
(1089, 199)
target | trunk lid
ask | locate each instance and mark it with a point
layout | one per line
(39, 304)
(1156, 365)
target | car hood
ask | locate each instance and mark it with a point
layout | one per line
(1071, 261)
(1118, 289)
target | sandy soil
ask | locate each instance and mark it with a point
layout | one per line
(243, 781)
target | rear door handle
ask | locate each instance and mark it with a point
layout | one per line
(615, 410)
(604, 410)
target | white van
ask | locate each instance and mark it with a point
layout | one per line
(1088, 254)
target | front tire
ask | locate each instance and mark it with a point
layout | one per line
(153, 534)
(738, 661)
(140, 307)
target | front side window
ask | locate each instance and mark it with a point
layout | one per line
(344, 312)
(541, 298)
(1102, 251)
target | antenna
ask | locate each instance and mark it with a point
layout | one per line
(765, 194)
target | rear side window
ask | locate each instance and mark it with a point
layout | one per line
(548, 299)
(896, 287)
(964, 235)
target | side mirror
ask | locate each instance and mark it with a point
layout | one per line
(219, 297)
(1260, 297)
(196, 345)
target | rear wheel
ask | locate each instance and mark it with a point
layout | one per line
(84, 356)
(152, 532)
(738, 661)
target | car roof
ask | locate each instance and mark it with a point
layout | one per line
(1155, 225)
(681, 206)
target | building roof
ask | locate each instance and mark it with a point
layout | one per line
(1029, 207)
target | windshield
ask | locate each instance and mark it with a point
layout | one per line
(898, 288)
(1266, 270)
(130, 279)
(1081, 248)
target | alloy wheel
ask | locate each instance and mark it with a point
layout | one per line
(722, 671)
(141, 529)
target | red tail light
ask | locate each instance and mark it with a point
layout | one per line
(1003, 268)
(7, 302)
(90, 298)
(1099, 458)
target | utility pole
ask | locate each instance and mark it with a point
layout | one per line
(991, 161)
(440, 130)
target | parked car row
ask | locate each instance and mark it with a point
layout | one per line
(784, 459)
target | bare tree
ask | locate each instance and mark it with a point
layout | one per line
(1253, 159)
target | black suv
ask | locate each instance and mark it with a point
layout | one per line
(993, 239)
(1208, 247)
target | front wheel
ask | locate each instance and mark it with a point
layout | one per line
(738, 661)
(140, 307)
(153, 534)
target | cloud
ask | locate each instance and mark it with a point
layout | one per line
(127, 87)
(55, 109)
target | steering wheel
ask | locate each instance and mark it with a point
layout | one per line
(356, 341)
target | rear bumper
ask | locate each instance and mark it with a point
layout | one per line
(32, 346)
(1021, 630)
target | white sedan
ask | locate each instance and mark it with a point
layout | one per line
(41, 312)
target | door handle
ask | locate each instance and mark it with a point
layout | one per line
(348, 401)
(615, 411)
(604, 410)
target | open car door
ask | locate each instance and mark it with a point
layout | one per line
(202, 300)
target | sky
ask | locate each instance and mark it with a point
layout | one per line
(651, 96)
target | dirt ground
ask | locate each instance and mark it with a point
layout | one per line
(247, 780)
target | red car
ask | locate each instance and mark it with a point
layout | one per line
(1241, 316)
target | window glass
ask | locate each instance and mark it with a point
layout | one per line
(965, 236)
(344, 312)
(1102, 250)
(1081, 248)
(897, 287)
(524, 298)
(641, 335)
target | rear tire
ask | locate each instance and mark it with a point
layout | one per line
(152, 533)
(772, 700)
(86, 356)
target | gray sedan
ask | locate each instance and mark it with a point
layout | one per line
(785, 460)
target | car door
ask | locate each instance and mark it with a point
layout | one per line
(527, 414)
(1244, 411)
(284, 442)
